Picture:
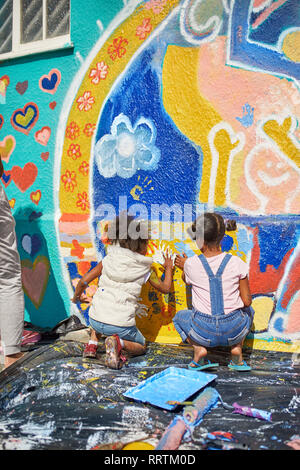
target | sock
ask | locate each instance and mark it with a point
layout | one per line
(93, 342)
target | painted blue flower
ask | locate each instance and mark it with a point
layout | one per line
(127, 149)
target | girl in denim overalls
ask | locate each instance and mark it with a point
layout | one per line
(221, 298)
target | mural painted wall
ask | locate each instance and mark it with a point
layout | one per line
(160, 102)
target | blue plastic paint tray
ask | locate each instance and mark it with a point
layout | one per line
(174, 384)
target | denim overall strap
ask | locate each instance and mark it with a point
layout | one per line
(215, 284)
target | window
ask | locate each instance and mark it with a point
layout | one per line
(30, 26)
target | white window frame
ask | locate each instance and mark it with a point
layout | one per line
(34, 47)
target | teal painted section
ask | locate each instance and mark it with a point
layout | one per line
(36, 221)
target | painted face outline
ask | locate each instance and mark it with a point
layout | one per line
(266, 185)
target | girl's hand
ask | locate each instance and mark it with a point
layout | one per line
(82, 298)
(79, 293)
(168, 264)
(180, 260)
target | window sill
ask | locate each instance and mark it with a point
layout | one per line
(31, 52)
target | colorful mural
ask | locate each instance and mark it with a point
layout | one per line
(174, 103)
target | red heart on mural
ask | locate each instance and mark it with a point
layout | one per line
(24, 177)
(45, 156)
(52, 104)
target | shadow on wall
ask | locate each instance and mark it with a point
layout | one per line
(44, 305)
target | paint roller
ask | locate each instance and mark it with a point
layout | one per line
(247, 411)
(182, 425)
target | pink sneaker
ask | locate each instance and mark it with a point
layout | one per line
(114, 358)
(30, 337)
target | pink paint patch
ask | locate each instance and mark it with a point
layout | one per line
(74, 228)
(43, 135)
(35, 279)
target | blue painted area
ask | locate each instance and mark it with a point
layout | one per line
(244, 240)
(227, 243)
(274, 242)
(256, 56)
(138, 96)
(268, 32)
(278, 325)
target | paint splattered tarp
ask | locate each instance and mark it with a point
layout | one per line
(54, 399)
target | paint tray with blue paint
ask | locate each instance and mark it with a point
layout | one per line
(172, 384)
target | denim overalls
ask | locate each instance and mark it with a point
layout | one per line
(216, 329)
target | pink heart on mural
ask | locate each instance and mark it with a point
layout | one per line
(42, 136)
(35, 278)
(24, 177)
(7, 147)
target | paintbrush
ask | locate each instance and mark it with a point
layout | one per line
(174, 402)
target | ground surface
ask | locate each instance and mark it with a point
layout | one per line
(53, 399)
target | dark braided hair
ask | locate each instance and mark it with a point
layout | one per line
(211, 227)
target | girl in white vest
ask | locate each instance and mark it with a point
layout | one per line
(122, 273)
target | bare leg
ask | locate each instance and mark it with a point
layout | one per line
(95, 336)
(136, 349)
(237, 353)
(200, 352)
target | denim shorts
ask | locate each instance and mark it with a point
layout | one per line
(214, 330)
(129, 333)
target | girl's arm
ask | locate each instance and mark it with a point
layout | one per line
(165, 285)
(85, 280)
(245, 292)
(179, 262)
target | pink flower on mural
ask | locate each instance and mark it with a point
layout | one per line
(72, 131)
(83, 201)
(84, 168)
(85, 101)
(74, 151)
(69, 180)
(99, 73)
(144, 29)
(156, 6)
(89, 129)
(117, 49)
